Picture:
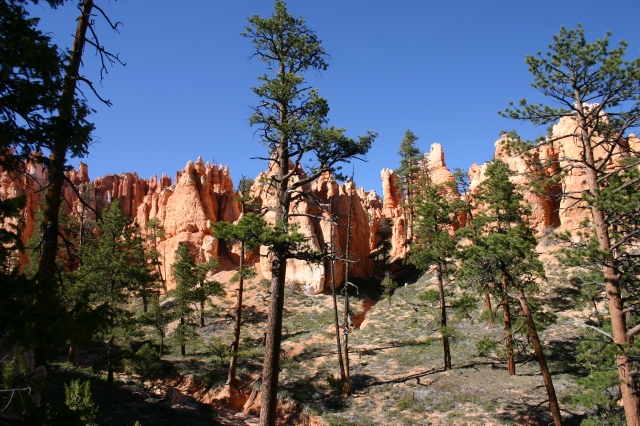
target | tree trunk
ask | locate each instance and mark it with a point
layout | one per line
(343, 377)
(346, 385)
(273, 341)
(183, 349)
(73, 354)
(161, 345)
(45, 297)
(443, 322)
(487, 304)
(202, 314)
(109, 364)
(273, 338)
(511, 364)
(546, 376)
(630, 399)
(144, 301)
(231, 380)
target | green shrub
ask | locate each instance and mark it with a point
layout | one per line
(78, 399)
(485, 346)
(145, 363)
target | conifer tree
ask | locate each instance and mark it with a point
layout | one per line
(292, 121)
(112, 269)
(249, 232)
(409, 171)
(502, 260)
(157, 318)
(193, 286)
(435, 242)
(595, 86)
(155, 232)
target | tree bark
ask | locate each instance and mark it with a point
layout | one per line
(346, 385)
(544, 369)
(443, 322)
(202, 314)
(630, 400)
(73, 354)
(109, 364)
(511, 364)
(343, 376)
(273, 340)
(183, 349)
(45, 278)
(487, 304)
(231, 380)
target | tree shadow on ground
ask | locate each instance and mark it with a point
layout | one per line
(126, 403)
(250, 315)
(535, 415)
(561, 354)
(563, 298)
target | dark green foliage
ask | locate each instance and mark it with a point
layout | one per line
(145, 363)
(429, 296)
(381, 253)
(601, 75)
(192, 287)
(503, 245)
(290, 49)
(250, 229)
(502, 248)
(157, 318)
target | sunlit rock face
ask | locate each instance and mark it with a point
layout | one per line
(322, 219)
(204, 194)
(550, 211)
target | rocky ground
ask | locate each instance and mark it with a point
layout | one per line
(395, 360)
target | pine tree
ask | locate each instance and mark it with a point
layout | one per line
(409, 171)
(596, 87)
(157, 318)
(292, 121)
(436, 210)
(249, 232)
(155, 232)
(502, 260)
(193, 286)
(112, 269)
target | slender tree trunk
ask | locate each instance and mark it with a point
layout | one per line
(144, 301)
(346, 385)
(110, 363)
(546, 376)
(45, 297)
(630, 399)
(73, 354)
(343, 377)
(487, 304)
(231, 380)
(202, 314)
(183, 348)
(511, 364)
(161, 345)
(443, 322)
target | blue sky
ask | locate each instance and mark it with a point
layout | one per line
(440, 68)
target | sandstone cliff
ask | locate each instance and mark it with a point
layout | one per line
(203, 194)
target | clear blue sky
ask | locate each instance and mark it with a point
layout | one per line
(440, 68)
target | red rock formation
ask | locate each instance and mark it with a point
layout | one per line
(315, 223)
(548, 210)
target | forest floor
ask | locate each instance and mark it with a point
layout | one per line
(396, 365)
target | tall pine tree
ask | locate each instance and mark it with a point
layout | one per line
(502, 260)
